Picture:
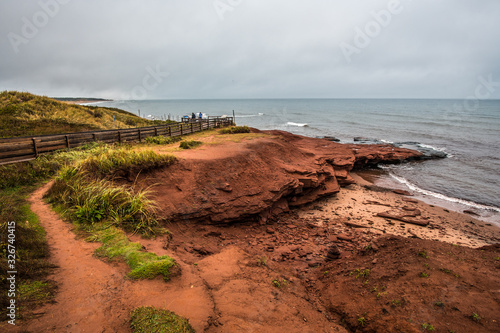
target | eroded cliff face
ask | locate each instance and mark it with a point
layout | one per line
(261, 177)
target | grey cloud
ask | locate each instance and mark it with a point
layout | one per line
(260, 49)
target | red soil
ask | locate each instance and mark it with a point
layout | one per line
(288, 273)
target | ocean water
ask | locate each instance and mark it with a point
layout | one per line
(468, 135)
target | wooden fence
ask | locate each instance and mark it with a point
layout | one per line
(14, 150)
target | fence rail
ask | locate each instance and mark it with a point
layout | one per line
(14, 150)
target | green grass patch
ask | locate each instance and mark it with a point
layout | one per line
(189, 144)
(163, 140)
(152, 320)
(34, 293)
(143, 265)
(235, 130)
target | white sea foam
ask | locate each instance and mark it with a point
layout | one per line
(415, 188)
(91, 103)
(290, 123)
(443, 150)
(249, 115)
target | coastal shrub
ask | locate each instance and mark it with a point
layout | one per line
(190, 144)
(98, 113)
(235, 130)
(163, 140)
(125, 160)
(152, 320)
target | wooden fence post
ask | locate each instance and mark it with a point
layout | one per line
(67, 141)
(94, 136)
(181, 128)
(35, 147)
(139, 131)
(156, 131)
(119, 136)
(169, 130)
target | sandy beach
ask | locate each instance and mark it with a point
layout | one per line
(359, 204)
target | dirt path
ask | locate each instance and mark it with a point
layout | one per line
(94, 296)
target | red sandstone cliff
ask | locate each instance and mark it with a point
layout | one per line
(261, 177)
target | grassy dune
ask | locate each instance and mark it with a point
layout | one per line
(24, 114)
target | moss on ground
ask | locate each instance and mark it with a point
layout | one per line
(152, 320)
(143, 265)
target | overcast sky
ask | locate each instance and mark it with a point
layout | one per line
(154, 49)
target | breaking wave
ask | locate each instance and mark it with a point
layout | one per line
(415, 188)
(291, 123)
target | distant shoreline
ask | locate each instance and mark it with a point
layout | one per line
(80, 100)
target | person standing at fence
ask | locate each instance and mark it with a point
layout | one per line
(193, 115)
(201, 115)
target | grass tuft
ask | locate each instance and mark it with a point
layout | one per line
(90, 201)
(163, 140)
(152, 320)
(423, 254)
(235, 130)
(428, 327)
(189, 144)
(476, 317)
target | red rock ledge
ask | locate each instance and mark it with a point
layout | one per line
(261, 177)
